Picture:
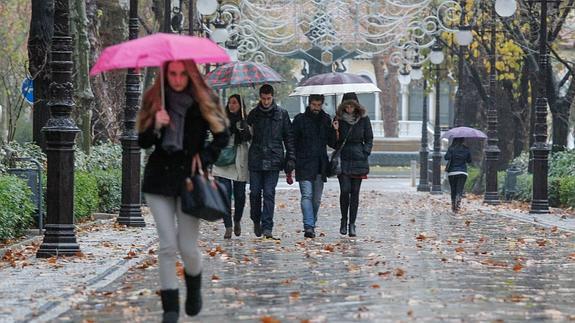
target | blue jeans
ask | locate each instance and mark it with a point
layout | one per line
(310, 199)
(263, 181)
(239, 192)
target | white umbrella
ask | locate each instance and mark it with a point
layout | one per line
(334, 83)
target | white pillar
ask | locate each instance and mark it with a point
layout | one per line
(431, 105)
(377, 107)
(404, 102)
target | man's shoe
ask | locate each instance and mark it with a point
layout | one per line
(308, 233)
(228, 234)
(237, 229)
(270, 237)
(343, 227)
(257, 229)
(352, 230)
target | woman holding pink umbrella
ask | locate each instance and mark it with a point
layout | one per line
(178, 129)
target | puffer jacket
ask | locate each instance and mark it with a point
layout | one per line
(271, 133)
(458, 156)
(355, 153)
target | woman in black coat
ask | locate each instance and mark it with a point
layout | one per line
(355, 134)
(457, 156)
(178, 128)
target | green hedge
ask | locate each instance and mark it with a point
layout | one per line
(16, 208)
(109, 189)
(86, 195)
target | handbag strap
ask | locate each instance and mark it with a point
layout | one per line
(197, 165)
(347, 136)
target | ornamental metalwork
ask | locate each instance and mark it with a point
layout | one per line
(318, 30)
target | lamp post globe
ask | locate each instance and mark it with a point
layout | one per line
(464, 36)
(436, 56)
(505, 8)
(219, 34)
(207, 7)
(416, 72)
(404, 77)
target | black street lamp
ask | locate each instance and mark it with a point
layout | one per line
(130, 209)
(423, 151)
(60, 131)
(540, 149)
(492, 151)
(436, 57)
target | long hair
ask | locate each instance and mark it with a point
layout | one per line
(206, 98)
(358, 110)
(240, 101)
(457, 142)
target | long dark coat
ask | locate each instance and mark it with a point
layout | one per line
(165, 172)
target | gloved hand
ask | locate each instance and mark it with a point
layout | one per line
(290, 166)
(289, 178)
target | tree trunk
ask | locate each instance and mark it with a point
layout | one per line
(39, 39)
(83, 90)
(386, 78)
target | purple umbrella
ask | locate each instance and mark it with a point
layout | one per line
(335, 83)
(464, 132)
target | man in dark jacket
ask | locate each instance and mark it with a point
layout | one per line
(272, 133)
(312, 133)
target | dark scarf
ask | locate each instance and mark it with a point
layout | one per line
(350, 118)
(267, 111)
(177, 106)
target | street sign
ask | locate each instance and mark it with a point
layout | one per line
(28, 90)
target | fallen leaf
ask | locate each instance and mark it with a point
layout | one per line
(375, 286)
(215, 278)
(269, 319)
(517, 267)
(399, 272)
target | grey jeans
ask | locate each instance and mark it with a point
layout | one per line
(182, 236)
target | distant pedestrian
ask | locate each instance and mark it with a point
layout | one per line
(312, 133)
(458, 156)
(233, 174)
(271, 135)
(354, 128)
(178, 129)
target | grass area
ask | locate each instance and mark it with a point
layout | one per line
(391, 170)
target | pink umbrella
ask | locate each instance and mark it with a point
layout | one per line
(156, 49)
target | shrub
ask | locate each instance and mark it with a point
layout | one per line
(472, 177)
(567, 191)
(554, 192)
(15, 150)
(104, 156)
(16, 208)
(562, 163)
(109, 189)
(86, 197)
(524, 187)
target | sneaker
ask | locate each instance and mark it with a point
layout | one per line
(271, 237)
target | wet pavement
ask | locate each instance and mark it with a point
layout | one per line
(412, 260)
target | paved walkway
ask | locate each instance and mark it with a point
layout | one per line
(412, 260)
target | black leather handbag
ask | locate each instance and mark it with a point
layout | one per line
(334, 168)
(202, 196)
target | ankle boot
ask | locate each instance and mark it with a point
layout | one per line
(352, 229)
(194, 294)
(343, 226)
(237, 229)
(170, 305)
(228, 233)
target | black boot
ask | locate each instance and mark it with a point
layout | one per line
(194, 294)
(352, 229)
(343, 226)
(171, 305)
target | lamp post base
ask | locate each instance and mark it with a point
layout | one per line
(59, 240)
(131, 215)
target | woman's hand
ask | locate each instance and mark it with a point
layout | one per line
(162, 119)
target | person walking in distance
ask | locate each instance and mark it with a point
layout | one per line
(457, 156)
(232, 170)
(312, 133)
(355, 139)
(271, 135)
(178, 128)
